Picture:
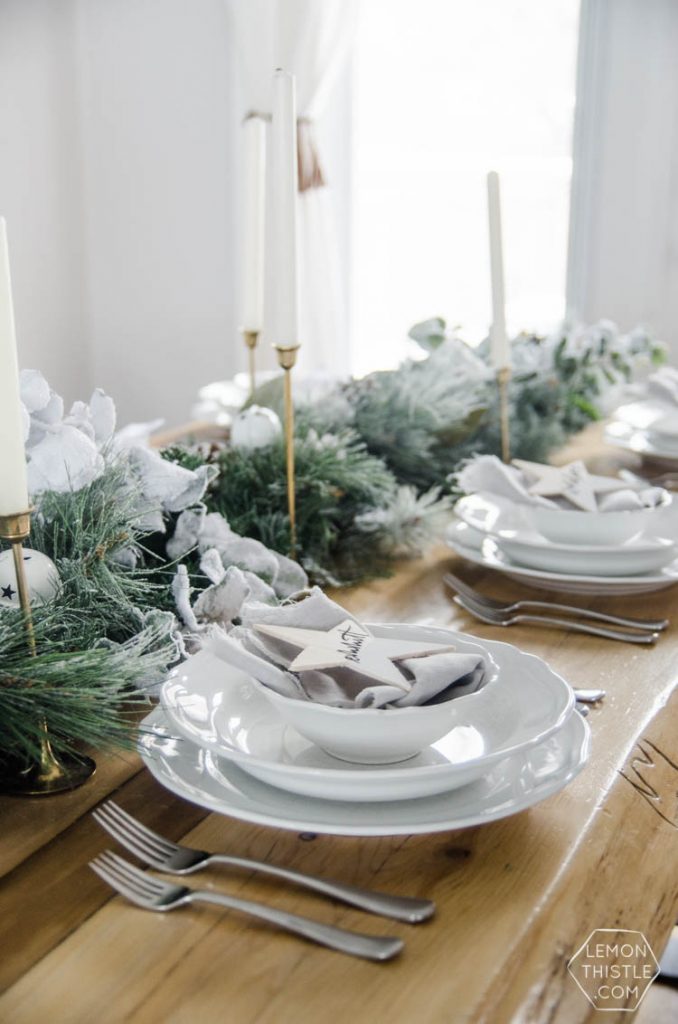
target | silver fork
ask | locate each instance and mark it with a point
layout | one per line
(466, 590)
(497, 618)
(165, 855)
(154, 894)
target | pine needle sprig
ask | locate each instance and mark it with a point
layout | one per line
(84, 532)
(99, 642)
(86, 696)
(336, 481)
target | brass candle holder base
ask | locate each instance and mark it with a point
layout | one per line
(503, 381)
(251, 340)
(50, 774)
(287, 357)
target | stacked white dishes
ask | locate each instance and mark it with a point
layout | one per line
(555, 547)
(649, 425)
(220, 742)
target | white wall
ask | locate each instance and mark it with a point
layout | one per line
(118, 127)
(41, 185)
(159, 142)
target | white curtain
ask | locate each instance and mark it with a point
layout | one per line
(308, 38)
(623, 259)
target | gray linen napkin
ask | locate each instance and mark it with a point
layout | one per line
(430, 679)
(487, 473)
(626, 499)
(664, 385)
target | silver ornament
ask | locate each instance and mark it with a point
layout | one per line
(255, 427)
(41, 575)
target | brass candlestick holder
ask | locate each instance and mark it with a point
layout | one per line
(50, 774)
(251, 340)
(287, 357)
(503, 381)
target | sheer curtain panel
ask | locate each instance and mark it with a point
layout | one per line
(308, 38)
(623, 259)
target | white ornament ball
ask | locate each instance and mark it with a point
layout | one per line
(41, 575)
(255, 427)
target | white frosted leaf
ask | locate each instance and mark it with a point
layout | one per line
(35, 391)
(186, 531)
(222, 602)
(215, 532)
(250, 554)
(212, 566)
(64, 461)
(102, 412)
(290, 576)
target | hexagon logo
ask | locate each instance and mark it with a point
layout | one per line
(614, 968)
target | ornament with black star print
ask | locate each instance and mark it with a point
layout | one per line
(41, 575)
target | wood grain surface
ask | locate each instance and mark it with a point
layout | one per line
(516, 898)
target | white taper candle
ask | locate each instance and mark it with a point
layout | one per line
(254, 206)
(284, 328)
(13, 486)
(500, 353)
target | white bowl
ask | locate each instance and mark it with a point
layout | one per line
(379, 735)
(572, 526)
(630, 559)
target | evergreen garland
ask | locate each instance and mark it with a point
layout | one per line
(428, 415)
(375, 460)
(99, 643)
(337, 482)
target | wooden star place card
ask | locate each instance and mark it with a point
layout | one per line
(572, 482)
(350, 645)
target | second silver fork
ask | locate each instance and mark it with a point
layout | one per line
(466, 590)
(499, 618)
(154, 894)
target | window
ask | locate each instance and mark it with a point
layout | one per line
(444, 91)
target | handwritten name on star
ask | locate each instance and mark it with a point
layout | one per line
(351, 645)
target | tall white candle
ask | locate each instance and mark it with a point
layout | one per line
(500, 353)
(13, 487)
(254, 147)
(284, 211)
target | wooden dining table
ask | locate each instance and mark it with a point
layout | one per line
(515, 898)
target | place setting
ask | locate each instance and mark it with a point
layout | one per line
(648, 425)
(303, 718)
(408, 729)
(565, 529)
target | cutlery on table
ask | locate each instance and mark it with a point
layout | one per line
(465, 590)
(589, 696)
(500, 618)
(153, 894)
(164, 855)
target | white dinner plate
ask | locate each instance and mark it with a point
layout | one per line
(512, 785)
(524, 545)
(659, 419)
(623, 435)
(217, 708)
(463, 540)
